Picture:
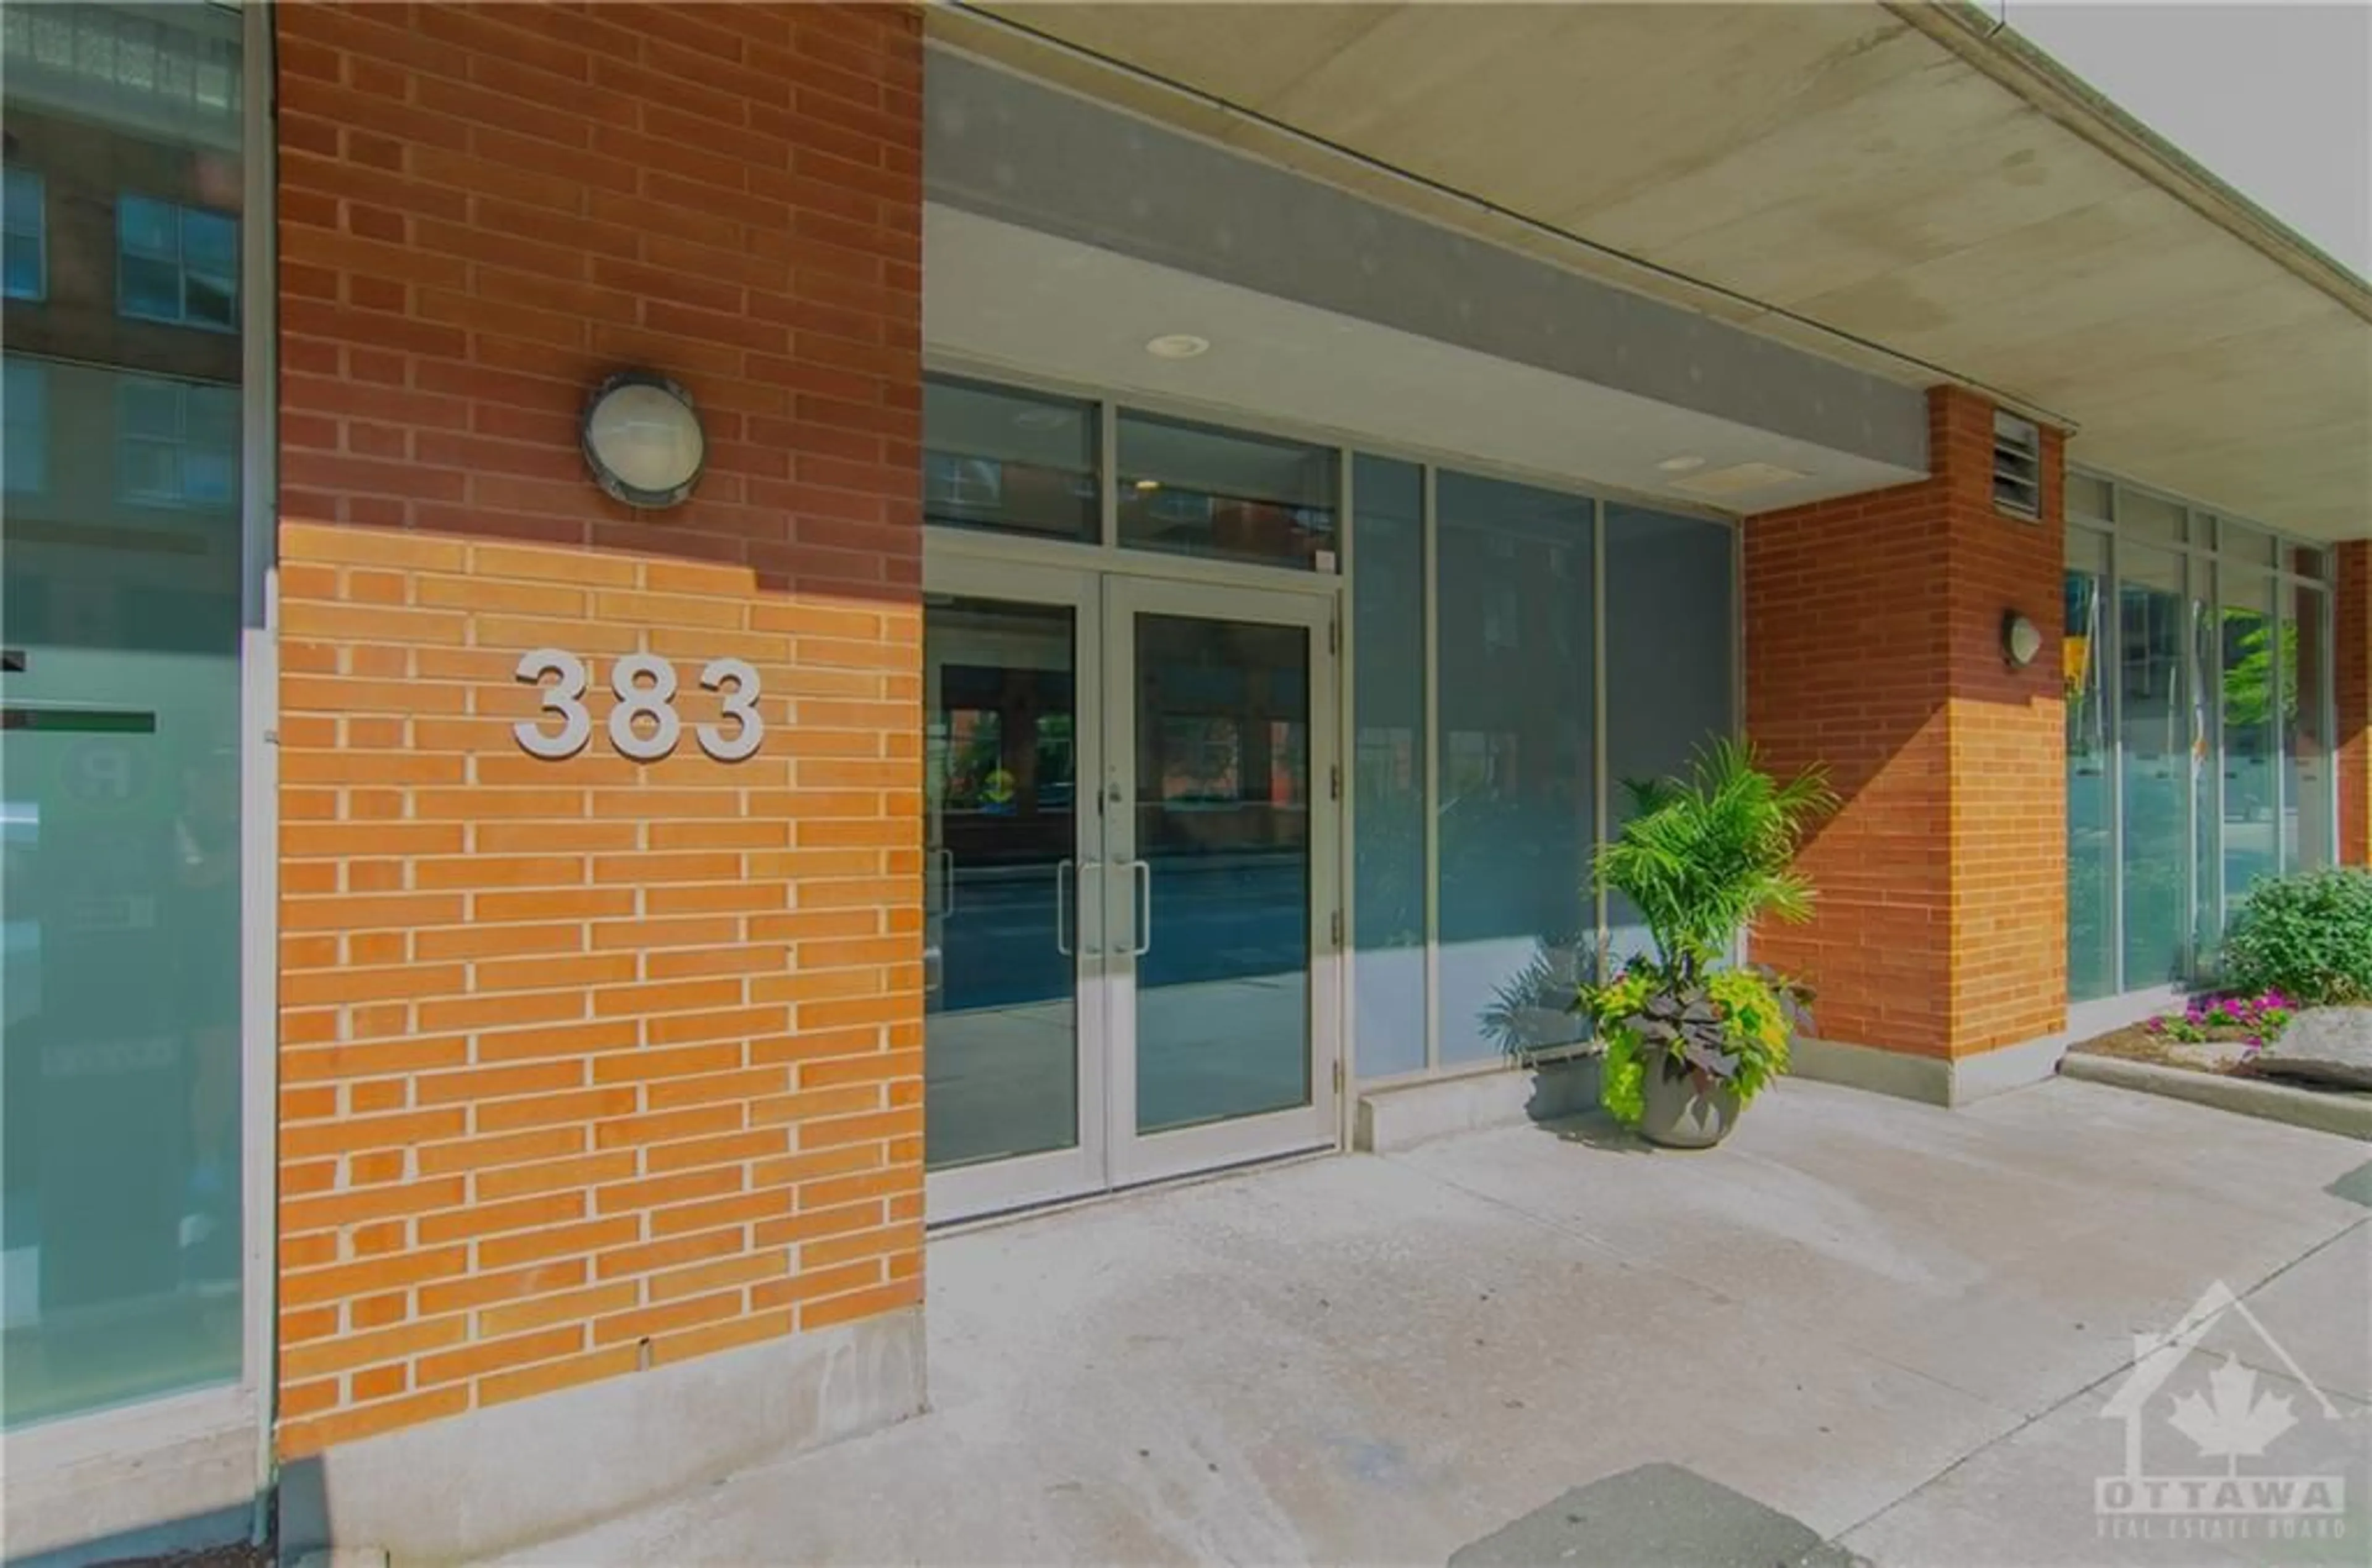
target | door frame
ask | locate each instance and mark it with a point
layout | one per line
(1137, 1156)
(1025, 1181)
(1103, 590)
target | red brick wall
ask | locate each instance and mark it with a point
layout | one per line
(2351, 688)
(1873, 648)
(594, 1063)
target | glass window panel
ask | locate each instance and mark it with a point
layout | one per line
(2152, 518)
(151, 289)
(1194, 490)
(1008, 461)
(2157, 727)
(25, 259)
(2308, 830)
(1388, 752)
(2246, 664)
(209, 242)
(2240, 542)
(209, 301)
(2309, 561)
(1671, 624)
(1223, 837)
(2088, 496)
(120, 1197)
(1516, 807)
(149, 228)
(1000, 802)
(2091, 866)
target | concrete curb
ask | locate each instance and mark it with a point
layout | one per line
(2349, 1116)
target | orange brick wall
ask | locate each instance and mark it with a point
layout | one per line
(592, 1064)
(2351, 688)
(1873, 647)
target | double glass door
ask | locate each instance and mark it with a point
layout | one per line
(1129, 880)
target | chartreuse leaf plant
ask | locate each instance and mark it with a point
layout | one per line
(1699, 858)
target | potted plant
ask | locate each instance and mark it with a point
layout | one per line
(1690, 1037)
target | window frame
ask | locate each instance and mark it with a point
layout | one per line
(180, 213)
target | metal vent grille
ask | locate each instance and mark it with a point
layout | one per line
(2017, 467)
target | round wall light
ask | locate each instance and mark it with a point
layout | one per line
(2021, 639)
(641, 439)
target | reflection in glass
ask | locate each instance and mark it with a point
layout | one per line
(1515, 816)
(1008, 461)
(1223, 835)
(2307, 805)
(2247, 664)
(120, 1224)
(2091, 867)
(1387, 778)
(1000, 781)
(2159, 724)
(1194, 490)
(1670, 622)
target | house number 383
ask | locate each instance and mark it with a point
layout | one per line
(643, 724)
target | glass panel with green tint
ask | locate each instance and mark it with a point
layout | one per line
(2084, 652)
(2307, 827)
(1196, 490)
(2250, 694)
(1222, 870)
(121, 1245)
(1000, 790)
(1387, 777)
(2159, 722)
(1516, 811)
(1008, 461)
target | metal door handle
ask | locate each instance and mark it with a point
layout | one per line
(1144, 908)
(946, 883)
(1064, 871)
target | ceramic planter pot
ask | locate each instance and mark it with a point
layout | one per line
(1681, 1116)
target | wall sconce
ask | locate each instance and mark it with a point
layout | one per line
(641, 439)
(2021, 639)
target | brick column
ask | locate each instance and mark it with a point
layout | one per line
(592, 1068)
(1874, 647)
(2352, 691)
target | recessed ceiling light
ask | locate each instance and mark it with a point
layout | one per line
(1149, 484)
(1178, 346)
(1683, 464)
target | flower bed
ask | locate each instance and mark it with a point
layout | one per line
(2214, 1034)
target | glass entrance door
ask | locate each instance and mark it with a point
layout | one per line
(1129, 881)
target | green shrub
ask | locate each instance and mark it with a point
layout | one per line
(2308, 936)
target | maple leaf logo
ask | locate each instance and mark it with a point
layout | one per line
(2233, 1421)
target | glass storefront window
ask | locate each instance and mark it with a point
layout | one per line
(2308, 807)
(1387, 765)
(2249, 695)
(1671, 620)
(2159, 728)
(2091, 868)
(1008, 461)
(121, 1234)
(1194, 490)
(2207, 726)
(1518, 796)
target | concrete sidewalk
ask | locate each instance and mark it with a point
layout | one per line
(1899, 1325)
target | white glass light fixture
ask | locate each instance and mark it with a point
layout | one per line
(2021, 639)
(641, 439)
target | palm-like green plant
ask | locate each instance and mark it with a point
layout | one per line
(1702, 857)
